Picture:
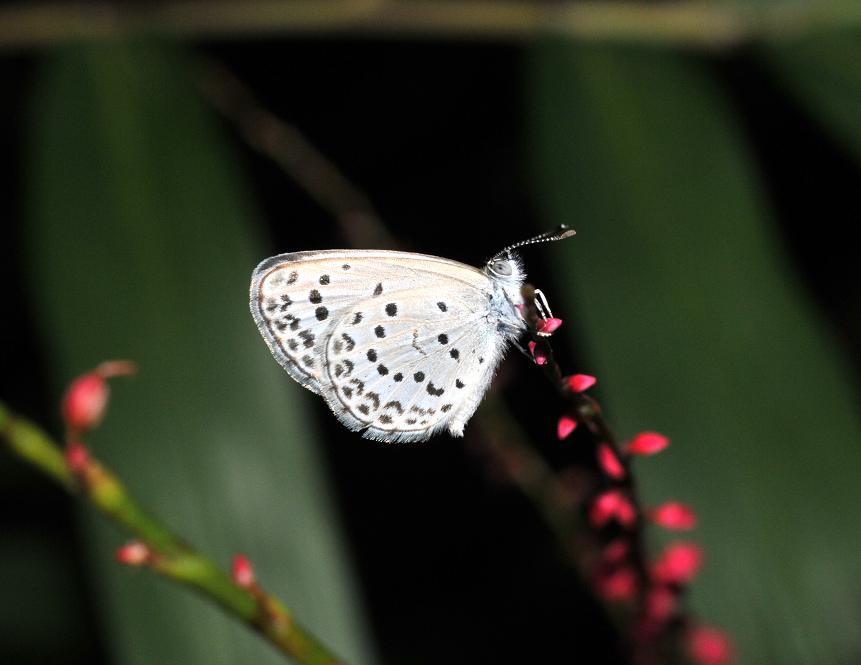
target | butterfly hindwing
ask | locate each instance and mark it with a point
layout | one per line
(413, 363)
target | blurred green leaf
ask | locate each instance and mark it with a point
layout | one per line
(697, 327)
(823, 71)
(142, 244)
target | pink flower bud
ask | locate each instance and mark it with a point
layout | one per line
(86, 398)
(609, 463)
(565, 426)
(616, 551)
(538, 353)
(617, 585)
(579, 382)
(84, 402)
(709, 646)
(548, 326)
(648, 443)
(674, 515)
(661, 603)
(243, 572)
(612, 504)
(134, 553)
(77, 456)
(678, 564)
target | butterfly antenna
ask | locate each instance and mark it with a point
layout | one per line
(559, 233)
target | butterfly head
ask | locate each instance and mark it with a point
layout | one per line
(506, 267)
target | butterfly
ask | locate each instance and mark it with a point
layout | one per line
(401, 346)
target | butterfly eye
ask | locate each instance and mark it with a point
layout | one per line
(500, 267)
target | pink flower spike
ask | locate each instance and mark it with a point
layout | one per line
(243, 572)
(565, 426)
(77, 456)
(610, 463)
(580, 382)
(538, 353)
(84, 402)
(678, 564)
(648, 443)
(619, 585)
(134, 553)
(548, 326)
(674, 515)
(709, 646)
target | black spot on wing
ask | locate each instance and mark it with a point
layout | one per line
(349, 341)
(380, 332)
(315, 297)
(398, 377)
(454, 353)
(357, 318)
(442, 306)
(382, 369)
(385, 420)
(419, 377)
(378, 289)
(372, 355)
(396, 405)
(293, 277)
(442, 339)
(392, 309)
(445, 408)
(321, 313)
(459, 383)
(433, 390)
(307, 338)
(324, 279)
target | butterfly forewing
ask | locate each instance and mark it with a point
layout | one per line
(397, 343)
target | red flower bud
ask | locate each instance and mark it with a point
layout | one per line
(134, 553)
(609, 462)
(709, 646)
(648, 443)
(609, 505)
(548, 326)
(579, 382)
(77, 456)
(678, 564)
(674, 515)
(84, 402)
(565, 426)
(243, 572)
(619, 584)
(538, 353)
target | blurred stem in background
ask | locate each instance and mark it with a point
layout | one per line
(687, 23)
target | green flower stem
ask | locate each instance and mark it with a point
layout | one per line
(170, 556)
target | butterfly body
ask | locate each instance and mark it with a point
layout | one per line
(400, 345)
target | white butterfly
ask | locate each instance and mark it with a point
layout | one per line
(400, 345)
